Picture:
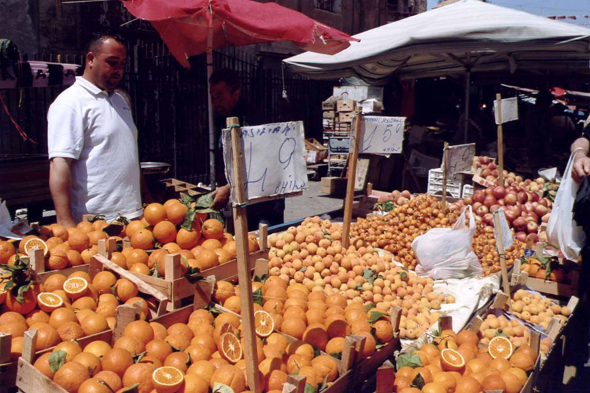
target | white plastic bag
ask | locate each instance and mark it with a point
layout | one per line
(444, 253)
(562, 230)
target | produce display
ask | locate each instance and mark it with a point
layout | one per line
(413, 216)
(544, 268)
(462, 363)
(537, 309)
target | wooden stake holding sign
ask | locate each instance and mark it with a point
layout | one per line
(352, 161)
(372, 135)
(506, 110)
(245, 281)
(445, 177)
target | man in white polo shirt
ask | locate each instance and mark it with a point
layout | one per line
(92, 140)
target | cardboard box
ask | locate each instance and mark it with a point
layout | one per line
(330, 103)
(345, 117)
(359, 93)
(329, 114)
(345, 105)
(315, 151)
(334, 186)
(371, 105)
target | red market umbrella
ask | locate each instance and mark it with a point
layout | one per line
(191, 27)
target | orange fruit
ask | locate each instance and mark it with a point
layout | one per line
(16, 328)
(75, 258)
(140, 268)
(452, 360)
(493, 382)
(133, 345)
(57, 261)
(336, 300)
(154, 213)
(143, 239)
(180, 360)
(383, 331)
(500, 347)
(103, 281)
(87, 254)
(500, 364)
(211, 244)
(179, 341)
(71, 375)
(75, 287)
(42, 364)
(230, 376)
(275, 380)
(167, 379)
(30, 245)
(205, 340)
(89, 360)
(111, 379)
(125, 289)
(522, 360)
(467, 336)
(78, 240)
(187, 239)
(263, 323)
(174, 248)
(175, 212)
(158, 349)
(70, 331)
(137, 256)
(93, 385)
(468, 385)
(48, 301)
(212, 229)
(513, 383)
(6, 251)
(10, 316)
(223, 256)
(233, 304)
(95, 236)
(521, 374)
(326, 365)
(231, 249)
(526, 349)
(165, 232)
(203, 369)
(116, 360)
(230, 348)
(85, 226)
(107, 309)
(198, 352)
(47, 337)
(139, 373)
(224, 318)
(119, 259)
(297, 361)
(71, 349)
(140, 330)
(93, 324)
(37, 316)
(434, 387)
(293, 327)
(133, 227)
(61, 316)
(194, 384)
(84, 303)
(55, 281)
(159, 330)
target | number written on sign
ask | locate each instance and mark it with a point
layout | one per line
(274, 159)
(381, 135)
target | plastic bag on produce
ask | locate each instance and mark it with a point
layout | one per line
(445, 253)
(562, 230)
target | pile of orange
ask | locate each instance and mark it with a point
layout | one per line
(455, 363)
(517, 333)
(186, 357)
(312, 255)
(68, 308)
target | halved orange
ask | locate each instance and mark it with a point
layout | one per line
(167, 379)
(264, 323)
(49, 301)
(222, 329)
(230, 348)
(500, 347)
(76, 287)
(451, 360)
(34, 244)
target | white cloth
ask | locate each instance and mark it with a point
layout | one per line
(96, 129)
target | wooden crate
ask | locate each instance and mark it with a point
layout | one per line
(563, 290)
(29, 379)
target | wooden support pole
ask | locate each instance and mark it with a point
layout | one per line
(385, 378)
(500, 143)
(445, 170)
(5, 347)
(37, 261)
(352, 162)
(172, 273)
(244, 278)
(296, 383)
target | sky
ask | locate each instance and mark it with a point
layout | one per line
(577, 8)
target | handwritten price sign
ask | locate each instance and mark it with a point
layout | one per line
(274, 159)
(460, 158)
(381, 135)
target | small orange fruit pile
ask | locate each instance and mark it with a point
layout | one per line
(455, 362)
(538, 310)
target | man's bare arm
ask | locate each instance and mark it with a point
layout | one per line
(581, 160)
(60, 184)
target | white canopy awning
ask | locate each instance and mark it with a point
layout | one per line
(468, 35)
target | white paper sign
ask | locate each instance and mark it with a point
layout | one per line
(509, 111)
(507, 239)
(460, 158)
(274, 159)
(381, 135)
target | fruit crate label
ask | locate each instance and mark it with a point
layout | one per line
(505, 231)
(274, 160)
(381, 135)
(460, 158)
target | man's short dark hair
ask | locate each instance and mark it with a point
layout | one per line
(95, 44)
(230, 77)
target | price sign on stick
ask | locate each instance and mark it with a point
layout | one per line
(506, 110)
(274, 160)
(381, 135)
(460, 158)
